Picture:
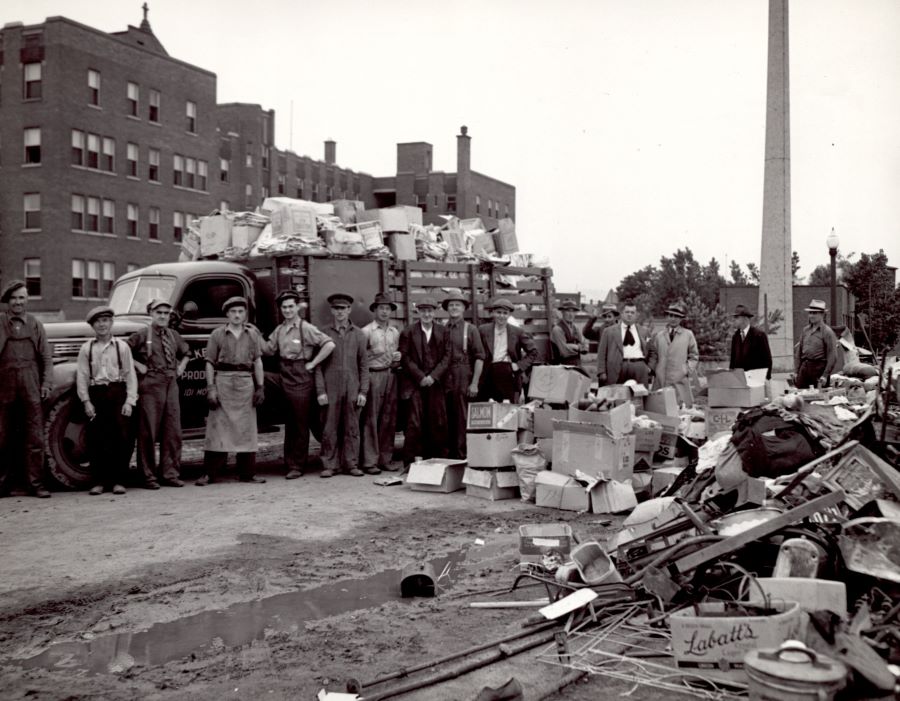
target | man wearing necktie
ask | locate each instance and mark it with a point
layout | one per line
(749, 345)
(673, 355)
(622, 352)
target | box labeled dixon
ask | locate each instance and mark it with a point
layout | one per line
(490, 449)
(593, 450)
(493, 416)
(436, 475)
(492, 485)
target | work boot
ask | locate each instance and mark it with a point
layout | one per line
(253, 479)
(326, 473)
(152, 484)
(372, 470)
(174, 482)
(355, 471)
(42, 493)
(389, 468)
(96, 489)
(203, 481)
(293, 474)
(119, 489)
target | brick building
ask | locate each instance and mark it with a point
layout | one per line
(109, 147)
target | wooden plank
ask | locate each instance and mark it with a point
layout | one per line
(530, 285)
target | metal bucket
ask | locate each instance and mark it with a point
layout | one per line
(793, 672)
(417, 580)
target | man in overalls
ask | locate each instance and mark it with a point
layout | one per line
(26, 377)
(300, 348)
(464, 374)
(107, 385)
(380, 414)
(234, 388)
(346, 382)
(160, 356)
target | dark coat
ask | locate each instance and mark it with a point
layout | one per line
(519, 344)
(752, 353)
(412, 351)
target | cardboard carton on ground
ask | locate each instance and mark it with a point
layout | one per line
(539, 539)
(558, 491)
(662, 401)
(720, 419)
(545, 445)
(646, 440)
(215, 234)
(490, 449)
(402, 246)
(593, 450)
(634, 393)
(668, 440)
(736, 388)
(436, 475)
(616, 420)
(543, 421)
(612, 497)
(643, 456)
(492, 416)
(492, 485)
(558, 384)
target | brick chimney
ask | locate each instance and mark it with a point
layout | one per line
(463, 150)
(330, 152)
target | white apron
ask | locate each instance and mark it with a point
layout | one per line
(231, 428)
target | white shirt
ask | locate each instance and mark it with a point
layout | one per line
(501, 345)
(427, 332)
(633, 351)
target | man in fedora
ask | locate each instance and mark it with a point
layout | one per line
(566, 341)
(749, 345)
(673, 355)
(609, 314)
(26, 378)
(510, 353)
(464, 374)
(623, 350)
(815, 356)
(160, 356)
(300, 348)
(379, 419)
(346, 374)
(425, 352)
(107, 385)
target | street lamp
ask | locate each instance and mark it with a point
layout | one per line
(832, 241)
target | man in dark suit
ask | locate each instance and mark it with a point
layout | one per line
(749, 345)
(425, 357)
(509, 353)
(622, 352)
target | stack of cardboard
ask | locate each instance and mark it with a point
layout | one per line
(730, 393)
(490, 439)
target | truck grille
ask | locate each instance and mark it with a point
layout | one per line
(66, 350)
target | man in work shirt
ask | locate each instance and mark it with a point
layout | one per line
(379, 418)
(300, 348)
(749, 345)
(566, 342)
(160, 356)
(234, 388)
(510, 353)
(107, 386)
(464, 374)
(674, 355)
(346, 375)
(26, 377)
(815, 357)
(622, 352)
(425, 352)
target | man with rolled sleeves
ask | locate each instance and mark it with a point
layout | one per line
(26, 378)
(160, 356)
(425, 353)
(464, 374)
(107, 385)
(623, 350)
(509, 351)
(566, 342)
(300, 348)
(346, 374)
(234, 388)
(379, 418)
(815, 356)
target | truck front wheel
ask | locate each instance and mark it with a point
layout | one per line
(65, 443)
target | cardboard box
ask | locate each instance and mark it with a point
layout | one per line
(243, 236)
(646, 440)
(558, 491)
(348, 211)
(402, 246)
(736, 388)
(343, 242)
(616, 420)
(393, 219)
(668, 439)
(492, 416)
(505, 241)
(612, 497)
(215, 234)
(557, 384)
(493, 449)
(294, 219)
(483, 243)
(719, 419)
(456, 240)
(662, 477)
(593, 450)
(190, 245)
(662, 401)
(539, 539)
(372, 236)
(436, 475)
(776, 388)
(545, 445)
(543, 421)
(492, 485)
(624, 393)
(473, 224)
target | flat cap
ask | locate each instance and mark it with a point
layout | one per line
(155, 304)
(426, 302)
(340, 299)
(99, 312)
(10, 288)
(234, 302)
(287, 294)
(501, 303)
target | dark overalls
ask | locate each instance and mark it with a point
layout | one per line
(346, 374)
(465, 349)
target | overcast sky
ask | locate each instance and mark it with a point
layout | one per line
(629, 128)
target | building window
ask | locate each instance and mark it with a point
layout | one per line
(248, 194)
(78, 278)
(77, 213)
(33, 276)
(132, 158)
(93, 151)
(177, 226)
(264, 192)
(93, 87)
(134, 96)
(248, 160)
(31, 78)
(93, 214)
(422, 202)
(77, 147)
(177, 169)
(477, 204)
(451, 203)
(265, 157)
(191, 114)
(153, 165)
(92, 286)
(109, 277)
(153, 227)
(190, 168)
(132, 217)
(299, 190)
(202, 174)
(315, 192)
(153, 112)
(109, 217)
(506, 211)
(490, 207)
(224, 206)
(31, 204)
(33, 145)
(109, 155)
(280, 184)
(224, 165)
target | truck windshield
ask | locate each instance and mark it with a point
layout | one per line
(132, 296)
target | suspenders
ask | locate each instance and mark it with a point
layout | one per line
(91, 359)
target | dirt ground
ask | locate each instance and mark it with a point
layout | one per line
(259, 591)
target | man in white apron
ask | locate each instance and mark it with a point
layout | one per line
(234, 388)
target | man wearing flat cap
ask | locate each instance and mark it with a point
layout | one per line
(300, 348)
(566, 342)
(815, 356)
(749, 345)
(107, 385)
(234, 388)
(160, 356)
(510, 353)
(346, 373)
(379, 417)
(464, 374)
(26, 378)
(623, 350)
(425, 353)
(673, 355)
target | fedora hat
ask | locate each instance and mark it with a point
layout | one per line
(287, 294)
(609, 308)
(10, 288)
(569, 305)
(676, 309)
(426, 302)
(741, 310)
(454, 296)
(501, 303)
(382, 298)
(817, 305)
(98, 312)
(339, 299)
(234, 302)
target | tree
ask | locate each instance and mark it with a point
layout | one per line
(821, 274)
(711, 326)
(795, 267)
(754, 272)
(871, 281)
(738, 276)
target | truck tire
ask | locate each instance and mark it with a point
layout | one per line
(65, 443)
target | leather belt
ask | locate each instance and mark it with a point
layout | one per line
(633, 360)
